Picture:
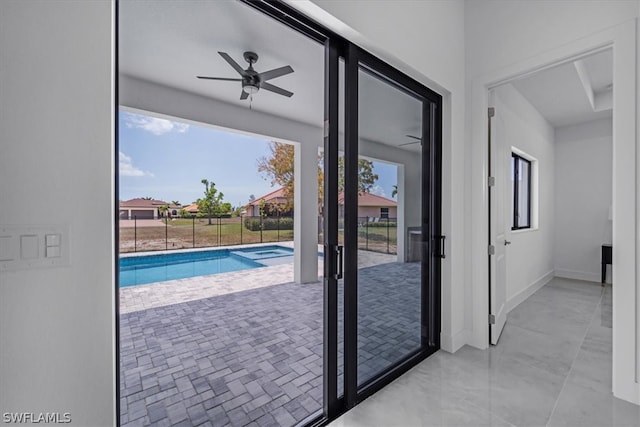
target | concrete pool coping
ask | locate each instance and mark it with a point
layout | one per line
(159, 294)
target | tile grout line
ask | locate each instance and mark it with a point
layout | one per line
(566, 379)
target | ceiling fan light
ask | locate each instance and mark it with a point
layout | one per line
(251, 89)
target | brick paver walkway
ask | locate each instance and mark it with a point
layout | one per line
(255, 357)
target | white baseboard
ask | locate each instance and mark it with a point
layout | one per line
(577, 275)
(521, 296)
(453, 343)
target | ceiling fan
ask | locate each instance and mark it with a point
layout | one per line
(253, 81)
(418, 141)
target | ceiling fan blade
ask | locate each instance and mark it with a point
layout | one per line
(244, 95)
(410, 143)
(219, 78)
(276, 72)
(275, 89)
(233, 63)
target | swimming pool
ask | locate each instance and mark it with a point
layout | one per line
(138, 270)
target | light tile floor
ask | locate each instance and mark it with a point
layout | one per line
(552, 366)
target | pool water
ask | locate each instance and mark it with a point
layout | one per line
(138, 270)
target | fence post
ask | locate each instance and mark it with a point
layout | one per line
(387, 235)
(193, 230)
(135, 233)
(366, 244)
(218, 231)
(278, 238)
(241, 227)
(260, 228)
(166, 234)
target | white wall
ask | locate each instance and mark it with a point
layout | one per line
(409, 36)
(583, 197)
(57, 325)
(530, 258)
(504, 39)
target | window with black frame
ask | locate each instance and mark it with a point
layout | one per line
(521, 192)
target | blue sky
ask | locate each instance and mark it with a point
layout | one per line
(167, 160)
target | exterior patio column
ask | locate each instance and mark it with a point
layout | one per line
(305, 211)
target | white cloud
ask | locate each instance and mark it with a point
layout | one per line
(154, 125)
(378, 191)
(127, 169)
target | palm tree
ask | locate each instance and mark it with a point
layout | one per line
(163, 210)
(175, 203)
(395, 191)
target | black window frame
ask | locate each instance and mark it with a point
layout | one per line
(515, 176)
(384, 213)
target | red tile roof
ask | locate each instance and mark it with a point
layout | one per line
(368, 199)
(276, 196)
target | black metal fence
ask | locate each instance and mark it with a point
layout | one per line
(374, 234)
(199, 232)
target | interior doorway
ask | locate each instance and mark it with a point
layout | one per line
(550, 186)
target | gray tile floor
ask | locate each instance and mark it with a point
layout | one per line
(552, 366)
(255, 357)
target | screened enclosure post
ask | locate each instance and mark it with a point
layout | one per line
(241, 227)
(260, 228)
(193, 230)
(278, 238)
(166, 234)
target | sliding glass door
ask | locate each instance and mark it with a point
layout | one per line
(382, 224)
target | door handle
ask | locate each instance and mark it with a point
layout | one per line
(506, 242)
(442, 253)
(339, 251)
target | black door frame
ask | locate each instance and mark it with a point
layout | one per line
(357, 59)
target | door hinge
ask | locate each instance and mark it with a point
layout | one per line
(492, 319)
(492, 181)
(492, 250)
(492, 111)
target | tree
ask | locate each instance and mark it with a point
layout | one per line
(163, 210)
(395, 191)
(212, 203)
(147, 198)
(251, 198)
(366, 177)
(278, 167)
(175, 203)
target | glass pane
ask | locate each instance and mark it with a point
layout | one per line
(523, 193)
(389, 219)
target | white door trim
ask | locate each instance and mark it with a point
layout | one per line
(626, 302)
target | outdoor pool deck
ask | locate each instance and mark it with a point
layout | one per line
(159, 294)
(254, 356)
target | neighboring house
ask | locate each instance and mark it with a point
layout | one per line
(145, 209)
(371, 206)
(192, 209)
(270, 202)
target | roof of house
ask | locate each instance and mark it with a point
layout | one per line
(276, 196)
(145, 203)
(368, 199)
(192, 208)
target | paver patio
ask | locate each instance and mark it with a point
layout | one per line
(254, 357)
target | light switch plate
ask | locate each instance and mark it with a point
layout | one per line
(24, 247)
